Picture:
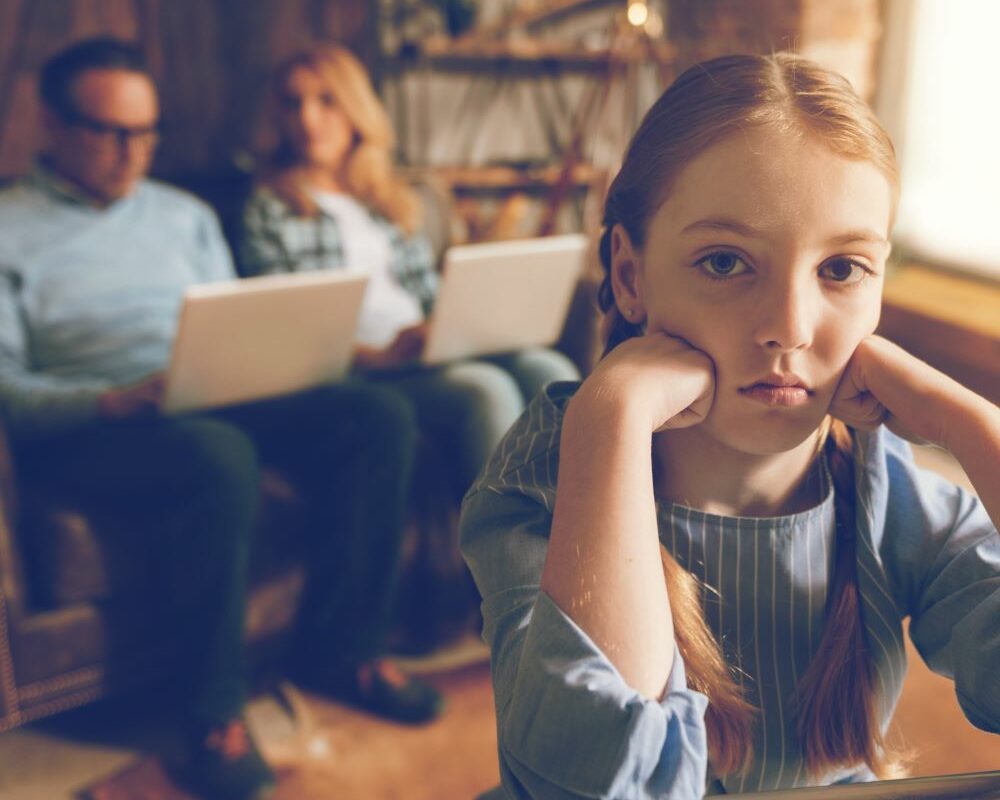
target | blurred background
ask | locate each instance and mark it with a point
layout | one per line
(513, 114)
(518, 110)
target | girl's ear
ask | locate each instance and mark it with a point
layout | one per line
(626, 276)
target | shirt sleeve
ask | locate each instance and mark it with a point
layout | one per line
(262, 245)
(568, 726)
(34, 403)
(944, 556)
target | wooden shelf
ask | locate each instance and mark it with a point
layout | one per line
(466, 55)
(531, 16)
(499, 178)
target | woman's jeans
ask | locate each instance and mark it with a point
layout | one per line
(467, 406)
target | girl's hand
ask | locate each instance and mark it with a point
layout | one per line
(660, 377)
(883, 384)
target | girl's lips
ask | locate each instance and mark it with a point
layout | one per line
(772, 395)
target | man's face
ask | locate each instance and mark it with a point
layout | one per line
(107, 145)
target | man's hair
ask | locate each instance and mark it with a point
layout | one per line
(55, 85)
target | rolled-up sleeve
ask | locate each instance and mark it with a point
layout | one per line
(568, 725)
(943, 553)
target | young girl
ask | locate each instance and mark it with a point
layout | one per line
(328, 199)
(695, 563)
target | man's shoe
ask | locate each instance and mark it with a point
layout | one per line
(225, 764)
(381, 688)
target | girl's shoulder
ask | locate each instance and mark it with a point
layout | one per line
(914, 513)
(527, 458)
(891, 469)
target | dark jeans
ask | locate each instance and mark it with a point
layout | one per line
(349, 448)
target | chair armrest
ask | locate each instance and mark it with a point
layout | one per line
(12, 584)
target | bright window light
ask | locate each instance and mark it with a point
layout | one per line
(950, 135)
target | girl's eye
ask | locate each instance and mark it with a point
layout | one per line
(722, 265)
(845, 271)
(327, 100)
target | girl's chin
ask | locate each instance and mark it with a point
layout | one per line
(769, 436)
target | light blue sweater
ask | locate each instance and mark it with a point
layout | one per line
(89, 296)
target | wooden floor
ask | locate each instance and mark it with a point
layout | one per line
(343, 753)
(348, 754)
(456, 756)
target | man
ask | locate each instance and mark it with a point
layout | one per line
(94, 260)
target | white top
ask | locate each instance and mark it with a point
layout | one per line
(387, 307)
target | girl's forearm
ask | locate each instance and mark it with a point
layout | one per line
(974, 439)
(603, 565)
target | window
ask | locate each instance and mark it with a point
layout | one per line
(939, 96)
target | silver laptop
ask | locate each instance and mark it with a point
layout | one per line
(501, 296)
(250, 339)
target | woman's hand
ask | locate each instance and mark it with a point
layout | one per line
(406, 346)
(658, 376)
(137, 399)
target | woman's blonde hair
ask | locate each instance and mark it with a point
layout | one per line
(369, 171)
(838, 711)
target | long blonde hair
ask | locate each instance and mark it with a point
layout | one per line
(706, 103)
(369, 171)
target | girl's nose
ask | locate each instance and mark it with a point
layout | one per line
(787, 320)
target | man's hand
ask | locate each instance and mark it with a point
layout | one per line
(137, 399)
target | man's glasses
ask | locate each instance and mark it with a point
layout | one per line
(107, 135)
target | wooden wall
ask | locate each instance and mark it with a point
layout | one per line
(211, 59)
(840, 34)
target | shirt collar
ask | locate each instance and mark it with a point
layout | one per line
(49, 180)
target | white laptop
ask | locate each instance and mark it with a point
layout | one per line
(254, 338)
(501, 296)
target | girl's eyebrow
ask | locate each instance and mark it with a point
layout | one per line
(724, 224)
(735, 226)
(860, 235)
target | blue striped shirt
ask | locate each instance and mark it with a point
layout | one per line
(569, 726)
(89, 296)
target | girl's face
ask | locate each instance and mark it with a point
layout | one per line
(312, 121)
(768, 255)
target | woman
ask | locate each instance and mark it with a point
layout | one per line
(695, 563)
(327, 198)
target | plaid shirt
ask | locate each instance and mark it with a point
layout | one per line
(275, 239)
